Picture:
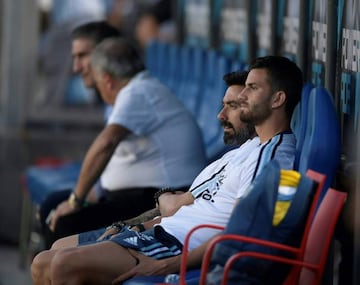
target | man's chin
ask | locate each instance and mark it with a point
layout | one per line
(228, 140)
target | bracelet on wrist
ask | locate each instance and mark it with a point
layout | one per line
(140, 227)
(166, 190)
(76, 202)
(118, 226)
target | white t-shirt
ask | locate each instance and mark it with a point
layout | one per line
(165, 147)
(226, 180)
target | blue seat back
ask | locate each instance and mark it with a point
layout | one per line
(299, 121)
(151, 57)
(41, 181)
(192, 65)
(210, 103)
(322, 141)
(174, 68)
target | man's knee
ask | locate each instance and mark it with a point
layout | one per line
(63, 264)
(39, 267)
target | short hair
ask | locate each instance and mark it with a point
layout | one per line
(284, 75)
(95, 31)
(117, 57)
(236, 78)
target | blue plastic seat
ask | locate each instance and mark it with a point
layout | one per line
(299, 121)
(321, 148)
(160, 66)
(152, 57)
(192, 91)
(174, 68)
(41, 181)
(210, 103)
(191, 68)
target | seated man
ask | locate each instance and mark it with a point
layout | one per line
(150, 141)
(273, 88)
(84, 38)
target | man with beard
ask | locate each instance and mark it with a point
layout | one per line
(272, 90)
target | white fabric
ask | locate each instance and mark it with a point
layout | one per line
(219, 194)
(165, 147)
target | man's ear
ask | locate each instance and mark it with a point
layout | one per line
(108, 81)
(278, 99)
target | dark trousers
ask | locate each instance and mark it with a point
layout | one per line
(117, 205)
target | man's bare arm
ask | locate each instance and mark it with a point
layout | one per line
(169, 203)
(97, 157)
(94, 163)
(144, 217)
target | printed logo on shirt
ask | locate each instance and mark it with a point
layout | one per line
(208, 189)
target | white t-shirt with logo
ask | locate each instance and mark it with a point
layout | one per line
(219, 186)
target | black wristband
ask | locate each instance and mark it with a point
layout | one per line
(162, 191)
(140, 227)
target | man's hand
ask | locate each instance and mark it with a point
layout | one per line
(108, 232)
(62, 209)
(147, 266)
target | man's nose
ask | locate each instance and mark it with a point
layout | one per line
(242, 94)
(221, 115)
(76, 66)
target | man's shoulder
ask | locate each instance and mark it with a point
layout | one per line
(246, 147)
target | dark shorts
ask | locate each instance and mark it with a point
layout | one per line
(155, 242)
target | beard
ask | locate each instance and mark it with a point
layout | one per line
(237, 137)
(256, 115)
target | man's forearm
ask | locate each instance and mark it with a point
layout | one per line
(144, 217)
(97, 157)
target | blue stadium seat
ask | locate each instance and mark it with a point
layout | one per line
(174, 68)
(152, 57)
(191, 67)
(192, 91)
(161, 63)
(322, 141)
(210, 103)
(299, 121)
(41, 181)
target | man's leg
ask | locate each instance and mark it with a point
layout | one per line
(66, 242)
(121, 205)
(98, 263)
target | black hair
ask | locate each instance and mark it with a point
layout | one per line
(236, 78)
(95, 31)
(283, 75)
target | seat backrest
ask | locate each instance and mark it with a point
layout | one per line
(321, 143)
(210, 102)
(299, 121)
(320, 235)
(191, 66)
